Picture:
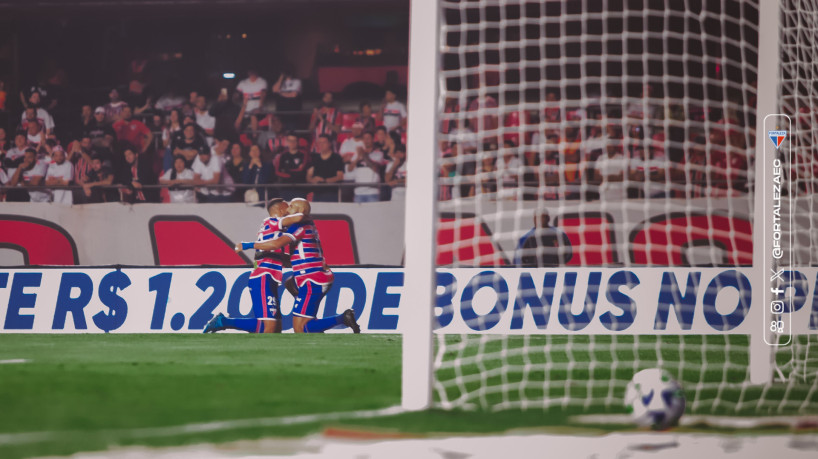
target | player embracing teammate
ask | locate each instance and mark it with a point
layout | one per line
(310, 279)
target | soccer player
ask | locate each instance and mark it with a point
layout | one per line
(265, 279)
(312, 277)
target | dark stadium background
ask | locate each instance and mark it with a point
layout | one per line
(186, 42)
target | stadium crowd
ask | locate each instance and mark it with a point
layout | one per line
(199, 150)
(639, 147)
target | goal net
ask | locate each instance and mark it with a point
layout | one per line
(595, 203)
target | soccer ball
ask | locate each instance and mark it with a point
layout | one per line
(654, 399)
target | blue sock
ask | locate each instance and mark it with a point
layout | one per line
(320, 325)
(248, 325)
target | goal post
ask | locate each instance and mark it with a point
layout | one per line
(583, 202)
(421, 207)
(761, 353)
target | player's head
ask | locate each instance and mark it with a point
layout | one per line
(277, 207)
(299, 206)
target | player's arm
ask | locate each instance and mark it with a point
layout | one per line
(289, 220)
(270, 246)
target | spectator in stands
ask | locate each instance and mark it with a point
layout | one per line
(552, 112)
(367, 168)
(543, 246)
(368, 119)
(326, 166)
(508, 170)
(253, 90)
(396, 174)
(35, 135)
(384, 142)
(99, 131)
(84, 122)
(226, 113)
(190, 145)
(291, 168)
(249, 132)
(169, 101)
(393, 113)
(101, 176)
(450, 110)
(288, 97)
(234, 170)
(276, 139)
(79, 154)
(326, 118)
(156, 124)
(180, 178)
(172, 129)
(135, 173)
(349, 147)
(136, 97)
(610, 173)
(34, 111)
(114, 107)
(60, 173)
(207, 171)
(133, 131)
(30, 173)
(204, 120)
(486, 177)
(257, 172)
(486, 125)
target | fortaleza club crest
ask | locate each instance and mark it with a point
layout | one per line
(777, 137)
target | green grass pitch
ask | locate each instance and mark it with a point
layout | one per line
(91, 388)
(89, 391)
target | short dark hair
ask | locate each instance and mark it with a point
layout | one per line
(368, 131)
(274, 201)
(325, 136)
(363, 104)
(380, 128)
(30, 150)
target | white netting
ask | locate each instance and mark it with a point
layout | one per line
(631, 125)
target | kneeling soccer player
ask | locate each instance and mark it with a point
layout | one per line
(312, 277)
(265, 278)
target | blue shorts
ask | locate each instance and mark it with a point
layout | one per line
(264, 291)
(309, 297)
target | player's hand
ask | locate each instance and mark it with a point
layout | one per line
(237, 248)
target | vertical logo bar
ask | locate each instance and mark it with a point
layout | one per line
(775, 188)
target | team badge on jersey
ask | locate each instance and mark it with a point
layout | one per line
(777, 137)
